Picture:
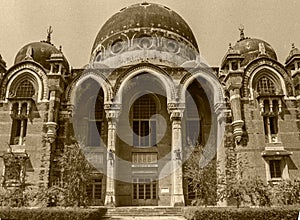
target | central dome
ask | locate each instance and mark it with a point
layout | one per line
(144, 19)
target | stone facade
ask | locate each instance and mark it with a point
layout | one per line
(142, 104)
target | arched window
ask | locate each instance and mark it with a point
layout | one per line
(96, 121)
(144, 125)
(265, 86)
(193, 123)
(25, 89)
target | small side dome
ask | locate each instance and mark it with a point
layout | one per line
(250, 49)
(39, 52)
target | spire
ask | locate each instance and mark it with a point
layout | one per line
(49, 32)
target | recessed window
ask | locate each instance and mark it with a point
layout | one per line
(266, 86)
(275, 168)
(144, 125)
(172, 46)
(193, 123)
(25, 90)
(96, 122)
(234, 66)
(117, 46)
(94, 190)
(99, 56)
(144, 188)
(145, 42)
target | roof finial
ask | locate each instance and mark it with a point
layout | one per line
(293, 46)
(49, 32)
(242, 35)
(229, 46)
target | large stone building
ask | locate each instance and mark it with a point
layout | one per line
(142, 103)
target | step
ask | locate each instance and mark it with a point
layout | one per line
(144, 213)
(145, 218)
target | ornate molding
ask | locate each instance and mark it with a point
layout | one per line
(27, 65)
(270, 63)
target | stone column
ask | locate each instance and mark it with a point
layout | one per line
(112, 115)
(177, 197)
(222, 113)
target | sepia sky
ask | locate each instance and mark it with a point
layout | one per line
(214, 23)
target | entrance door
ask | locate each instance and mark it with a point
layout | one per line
(144, 191)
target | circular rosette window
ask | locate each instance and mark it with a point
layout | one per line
(145, 42)
(172, 46)
(117, 46)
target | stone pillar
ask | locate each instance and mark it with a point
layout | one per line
(222, 114)
(112, 115)
(177, 197)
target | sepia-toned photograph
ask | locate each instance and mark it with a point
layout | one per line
(139, 110)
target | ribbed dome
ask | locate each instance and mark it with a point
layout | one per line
(40, 52)
(250, 49)
(145, 15)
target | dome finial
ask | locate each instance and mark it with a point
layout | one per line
(241, 29)
(49, 32)
(293, 46)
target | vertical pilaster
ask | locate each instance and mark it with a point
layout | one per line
(112, 115)
(235, 102)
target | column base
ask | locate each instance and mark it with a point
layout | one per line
(178, 200)
(110, 200)
(222, 203)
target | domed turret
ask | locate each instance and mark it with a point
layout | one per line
(251, 48)
(39, 52)
(144, 27)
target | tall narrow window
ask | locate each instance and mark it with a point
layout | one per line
(193, 123)
(18, 131)
(275, 169)
(94, 191)
(96, 122)
(20, 112)
(144, 125)
(270, 118)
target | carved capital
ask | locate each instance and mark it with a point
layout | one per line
(176, 110)
(112, 111)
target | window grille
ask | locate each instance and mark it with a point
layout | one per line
(265, 86)
(25, 90)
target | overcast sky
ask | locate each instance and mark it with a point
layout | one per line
(214, 23)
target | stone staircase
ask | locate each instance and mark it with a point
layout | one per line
(144, 213)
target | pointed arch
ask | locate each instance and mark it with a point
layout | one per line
(98, 78)
(162, 78)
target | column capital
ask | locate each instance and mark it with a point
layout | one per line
(176, 110)
(112, 111)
